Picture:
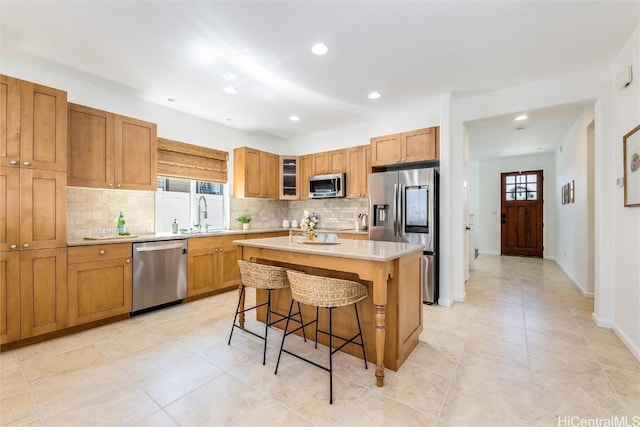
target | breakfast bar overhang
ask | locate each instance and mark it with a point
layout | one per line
(392, 273)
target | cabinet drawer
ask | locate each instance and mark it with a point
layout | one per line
(98, 252)
(212, 242)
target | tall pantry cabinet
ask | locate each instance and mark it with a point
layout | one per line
(33, 202)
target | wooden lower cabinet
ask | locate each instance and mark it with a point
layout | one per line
(100, 280)
(43, 291)
(352, 236)
(212, 265)
(9, 296)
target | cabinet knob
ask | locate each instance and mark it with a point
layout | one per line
(26, 163)
(26, 245)
(110, 185)
(128, 261)
(404, 160)
(13, 162)
(118, 185)
(13, 246)
(101, 252)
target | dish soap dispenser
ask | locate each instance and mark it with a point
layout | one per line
(122, 229)
(174, 226)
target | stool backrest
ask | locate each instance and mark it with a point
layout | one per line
(322, 291)
(262, 276)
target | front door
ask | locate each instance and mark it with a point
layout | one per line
(522, 213)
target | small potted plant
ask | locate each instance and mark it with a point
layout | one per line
(244, 220)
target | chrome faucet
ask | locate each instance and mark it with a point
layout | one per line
(200, 211)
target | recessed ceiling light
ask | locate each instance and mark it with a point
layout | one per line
(294, 118)
(520, 129)
(521, 117)
(231, 90)
(171, 100)
(374, 95)
(319, 49)
(229, 76)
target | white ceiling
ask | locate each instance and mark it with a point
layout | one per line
(406, 50)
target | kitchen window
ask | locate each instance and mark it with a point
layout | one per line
(178, 199)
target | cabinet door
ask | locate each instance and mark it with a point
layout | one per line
(366, 159)
(43, 209)
(337, 161)
(306, 170)
(320, 163)
(135, 154)
(91, 147)
(228, 270)
(9, 296)
(289, 178)
(43, 291)
(269, 176)
(355, 173)
(99, 289)
(202, 273)
(43, 127)
(418, 145)
(252, 173)
(385, 150)
(9, 121)
(9, 208)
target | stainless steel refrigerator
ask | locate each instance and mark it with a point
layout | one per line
(403, 207)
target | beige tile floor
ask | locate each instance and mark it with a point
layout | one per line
(522, 350)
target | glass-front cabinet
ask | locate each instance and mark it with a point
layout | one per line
(289, 182)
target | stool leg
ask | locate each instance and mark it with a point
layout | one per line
(317, 321)
(286, 328)
(236, 315)
(364, 355)
(304, 335)
(330, 356)
(266, 327)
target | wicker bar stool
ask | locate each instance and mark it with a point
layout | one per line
(328, 293)
(269, 278)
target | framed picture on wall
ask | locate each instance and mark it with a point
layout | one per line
(631, 149)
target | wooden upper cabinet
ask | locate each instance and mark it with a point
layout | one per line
(306, 170)
(255, 173)
(135, 153)
(43, 127)
(407, 147)
(108, 150)
(9, 121)
(43, 209)
(91, 147)
(330, 162)
(358, 169)
(289, 178)
(33, 125)
(9, 209)
(43, 291)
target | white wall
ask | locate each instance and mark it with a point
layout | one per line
(617, 285)
(572, 236)
(489, 207)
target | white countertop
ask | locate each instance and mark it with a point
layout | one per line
(178, 236)
(353, 249)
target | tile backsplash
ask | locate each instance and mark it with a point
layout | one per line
(91, 209)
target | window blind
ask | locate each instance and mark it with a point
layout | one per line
(180, 160)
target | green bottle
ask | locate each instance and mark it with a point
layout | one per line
(122, 229)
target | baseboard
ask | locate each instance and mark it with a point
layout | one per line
(489, 253)
(601, 322)
(584, 293)
(550, 258)
(627, 342)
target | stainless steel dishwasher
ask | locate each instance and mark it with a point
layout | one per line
(159, 274)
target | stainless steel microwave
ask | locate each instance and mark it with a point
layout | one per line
(326, 186)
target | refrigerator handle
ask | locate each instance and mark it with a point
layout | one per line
(399, 211)
(395, 210)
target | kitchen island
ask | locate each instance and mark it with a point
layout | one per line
(391, 315)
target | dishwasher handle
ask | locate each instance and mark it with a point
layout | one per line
(162, 248)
